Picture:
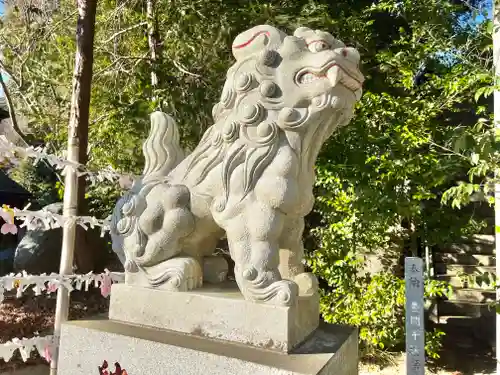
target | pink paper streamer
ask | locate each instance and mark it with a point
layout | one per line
(8, 228)
(106, 285)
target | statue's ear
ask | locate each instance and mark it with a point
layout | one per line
(255, 40)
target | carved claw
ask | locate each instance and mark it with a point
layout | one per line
(267, 287)
(281, 293)
(176, 274)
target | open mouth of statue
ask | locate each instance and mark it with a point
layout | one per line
(333, 72)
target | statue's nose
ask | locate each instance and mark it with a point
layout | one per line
(350, 54)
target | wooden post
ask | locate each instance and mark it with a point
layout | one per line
(77, 147)
(496, 118)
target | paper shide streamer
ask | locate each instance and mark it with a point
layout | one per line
(7, 214)
(51, 283)
(45, 346)
(12, 154)
(45, 220)
(20, 282)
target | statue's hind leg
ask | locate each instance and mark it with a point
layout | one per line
(253, 238)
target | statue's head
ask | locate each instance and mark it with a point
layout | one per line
(307, 83)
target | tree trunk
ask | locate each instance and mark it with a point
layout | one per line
(77, 147)
(154, 43)
(78, 129)
(496, 99)
(79, 121)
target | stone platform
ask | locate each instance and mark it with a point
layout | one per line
(218, 312)
(140, 350)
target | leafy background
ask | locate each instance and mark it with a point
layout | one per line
(413, 169)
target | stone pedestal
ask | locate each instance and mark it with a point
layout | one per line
(140, 350)
(210, 331)
(218, 312)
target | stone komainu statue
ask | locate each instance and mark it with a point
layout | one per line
(252, 174)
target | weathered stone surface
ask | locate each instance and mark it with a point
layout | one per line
(40, 250)
(218, 312)
(252, 174)
(331, 350)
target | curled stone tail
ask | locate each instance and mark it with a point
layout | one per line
(162, 151)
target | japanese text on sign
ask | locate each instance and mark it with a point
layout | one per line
(415, 333)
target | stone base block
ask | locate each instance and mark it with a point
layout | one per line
(140, 350)
(218, 312)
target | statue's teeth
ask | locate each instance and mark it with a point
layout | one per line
(334, 74)
(350, 83)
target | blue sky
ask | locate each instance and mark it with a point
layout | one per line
(478, 19)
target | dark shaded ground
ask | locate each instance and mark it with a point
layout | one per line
(467, 349)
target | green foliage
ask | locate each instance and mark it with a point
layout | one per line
(375, 304)
(433, 343)
(479, 146)
(102, 199)
(380, 180)
(37, 179)
(423, 124)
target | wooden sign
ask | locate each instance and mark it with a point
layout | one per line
(415, 332)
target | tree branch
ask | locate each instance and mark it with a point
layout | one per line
(9, 72)
(119, 59)
(127, 29)
(183, 70)
(13, 121)
(10, 107)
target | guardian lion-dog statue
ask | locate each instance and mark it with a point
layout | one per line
(251, 176)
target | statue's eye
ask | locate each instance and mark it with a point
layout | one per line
(318, 46)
